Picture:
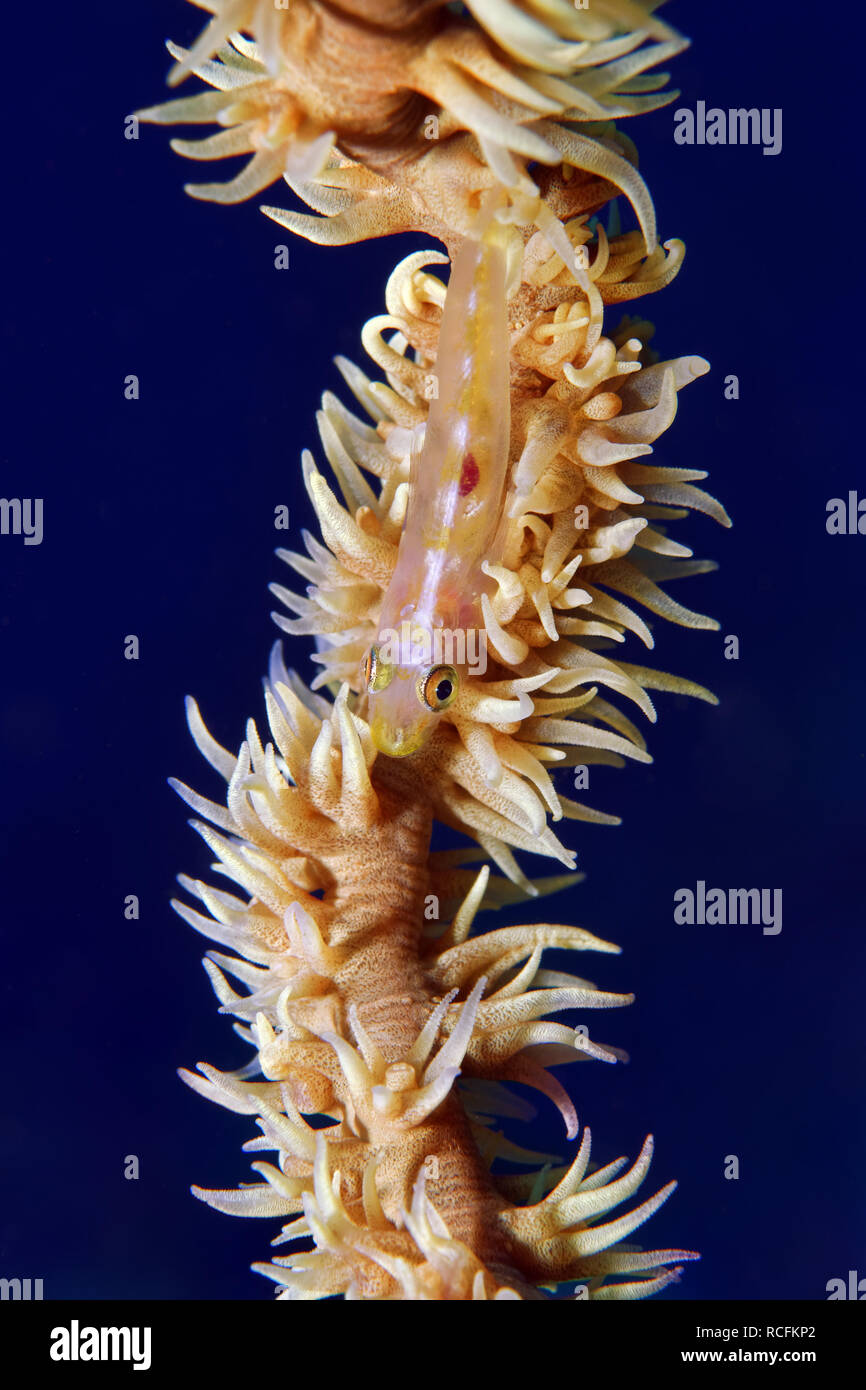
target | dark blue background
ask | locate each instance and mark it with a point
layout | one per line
(158, 521)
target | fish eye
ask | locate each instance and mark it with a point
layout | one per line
(377, 673)
(437, 687)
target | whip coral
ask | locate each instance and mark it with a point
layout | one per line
(364, 992)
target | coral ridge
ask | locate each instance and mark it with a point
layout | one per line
(383, 1023)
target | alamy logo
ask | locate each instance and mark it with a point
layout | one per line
(737, 126)
(846, 520)
(22, 516)
(729, 907)
(855, 1288)
(416, 646)
(24, 1289)
(75, 1343)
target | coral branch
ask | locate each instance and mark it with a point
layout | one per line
(354, 1017)
(363, 991)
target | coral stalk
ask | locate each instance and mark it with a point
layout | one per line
(370, 1000)
(352, 1017)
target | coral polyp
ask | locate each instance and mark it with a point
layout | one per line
(365, 990)
(390, 118)
(356, 1014)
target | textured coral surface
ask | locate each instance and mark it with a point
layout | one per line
(363, 989)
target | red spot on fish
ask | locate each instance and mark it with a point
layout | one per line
(469, 475)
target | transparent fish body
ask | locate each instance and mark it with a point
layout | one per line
(430, 626)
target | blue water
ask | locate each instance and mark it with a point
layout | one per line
(158, 522)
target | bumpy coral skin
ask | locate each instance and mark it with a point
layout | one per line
(354, 1014)
(584, 536)
(339, 99)
(365, 996)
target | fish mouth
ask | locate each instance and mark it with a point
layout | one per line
(396, 743)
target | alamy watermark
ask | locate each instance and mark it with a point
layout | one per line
(846, 517)
(415, 646)
(737, 126)
(729, 907)
(21, 1289)
(22, 516)
(77, 1343)
(854, 1288)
